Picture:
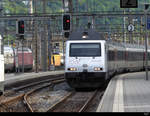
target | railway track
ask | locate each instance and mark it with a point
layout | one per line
(39, 97)
(27, 87)
(75, 102)
(14, 102)
(10, 105)
(27, 95)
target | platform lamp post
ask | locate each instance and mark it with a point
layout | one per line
(146, 5)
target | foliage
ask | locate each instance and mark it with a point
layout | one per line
(55, 6)
(11, 6)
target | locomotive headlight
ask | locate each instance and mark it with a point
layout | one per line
(97, 69)
(72, 69)
(84, 36)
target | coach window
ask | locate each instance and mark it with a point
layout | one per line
(134, 56)
(148, 56)
(141, 54)
(130, 56)
(119, 55)
(137, 56)
(110, 55)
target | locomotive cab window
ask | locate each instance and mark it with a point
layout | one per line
(85, 49)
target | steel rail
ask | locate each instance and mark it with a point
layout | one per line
(36, 89)
(12, 99)
(59, 102)
(23, 95)
(53, 107)
(83, 107)
(31, 84)
(36, 83)
(88, 101)
(4, 103)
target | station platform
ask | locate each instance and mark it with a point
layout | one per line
(11, 79)
(128, 92)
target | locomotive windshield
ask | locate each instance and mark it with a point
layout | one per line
(85, 49)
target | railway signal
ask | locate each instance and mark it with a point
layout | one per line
(66, 22)
(66, 34)
(20, 27)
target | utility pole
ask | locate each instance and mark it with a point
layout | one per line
(70, 6)
(142, 31)
(44, 42)
(32, 9)
(146, 39)
(77, 10)
(93, 22)
(124, 28)
(49, 45)
(36, 47)
(22, 54)
(31, 12)
(35, 42)
(130, 32)
(31, 6)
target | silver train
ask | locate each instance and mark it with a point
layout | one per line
(13, 58)
(9, 58)
(91, 60)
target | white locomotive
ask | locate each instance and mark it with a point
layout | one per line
(91, 60)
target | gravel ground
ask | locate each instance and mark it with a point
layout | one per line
(95, 102)
(74, 103)
(63, 86)
(45, 98)
(42, 100)
(17, 106)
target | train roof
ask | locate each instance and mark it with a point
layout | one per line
(92, 34)
(86, 34)
(7, 48)
(24, 49)
(134, 46)
(127, 45)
